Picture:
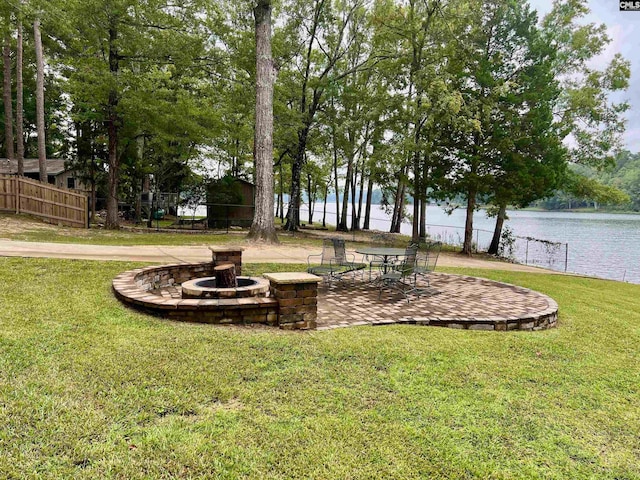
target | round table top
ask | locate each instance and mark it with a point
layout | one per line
(382, 251)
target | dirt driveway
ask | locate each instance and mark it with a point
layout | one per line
(253, 253)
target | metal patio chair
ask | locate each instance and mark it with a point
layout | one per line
(346, 260)
(401, 276)
(334, 261)
(426, 262)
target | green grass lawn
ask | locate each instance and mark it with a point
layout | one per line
(92, 389)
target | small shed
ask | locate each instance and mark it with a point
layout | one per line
(57, 174)
(230, 202)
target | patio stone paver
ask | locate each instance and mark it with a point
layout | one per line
(461, 302)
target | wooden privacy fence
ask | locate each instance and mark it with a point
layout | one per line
(53, 204)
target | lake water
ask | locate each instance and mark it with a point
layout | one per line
(599, 244)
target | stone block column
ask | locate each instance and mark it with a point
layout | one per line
(297, 296)
(222, 255)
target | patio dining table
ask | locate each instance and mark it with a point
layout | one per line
(385, 252)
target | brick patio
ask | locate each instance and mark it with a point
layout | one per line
(454, 301)
(461, 302)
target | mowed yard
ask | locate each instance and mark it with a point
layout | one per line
(92, 389)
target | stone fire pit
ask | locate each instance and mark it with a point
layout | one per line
(206, 288)
(188, 292)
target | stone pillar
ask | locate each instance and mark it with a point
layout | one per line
(297, 296)
(221, 255)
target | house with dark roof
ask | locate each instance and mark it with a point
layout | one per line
(57, 174)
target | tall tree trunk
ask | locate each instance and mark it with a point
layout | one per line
(394, 213)
(354, 186)
(324, 211)
(367, 210)
(112, 221)
(472, 193)
(42, 150)
(361, 195)
(403, 200)
(342, 226)
(310, 198)
(263, 226)
(415, 224)
(417, 190)
(139, 190)
(497, 232)
(93, 181)
(84, 151)
(423, 203)
(235, 170)
(281, 195)
(7, 99)
(293, 212)
(467, 246)
(279, 212)
(423, 218)
(398, 205)
(93, 199)
(307, 111)
(19, 103)
(335, 173)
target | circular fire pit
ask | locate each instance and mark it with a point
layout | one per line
(206, 288)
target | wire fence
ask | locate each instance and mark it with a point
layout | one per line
(542, 253)
(204, 217)
(525, 250)
(214, 217)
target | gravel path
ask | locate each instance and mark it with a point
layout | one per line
(253, 253)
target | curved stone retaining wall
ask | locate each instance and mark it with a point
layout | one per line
(136, 288)
(292, 303)
(154, 278)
